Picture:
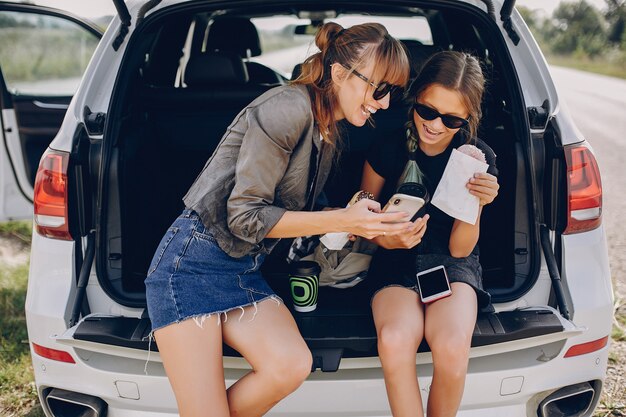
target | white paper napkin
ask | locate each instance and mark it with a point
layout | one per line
(335, 240)
(452, 196)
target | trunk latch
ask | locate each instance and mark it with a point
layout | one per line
(327, 360)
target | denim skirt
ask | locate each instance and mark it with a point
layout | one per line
(190, 276)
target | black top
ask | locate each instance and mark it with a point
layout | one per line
(389, 155)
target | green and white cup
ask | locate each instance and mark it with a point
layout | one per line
(304, 283)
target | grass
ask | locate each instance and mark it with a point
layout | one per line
(612, 401)
(604, 66)
(21, 230)
(17, 388)
(610, 409)
(618, 334)
(619, 322)
(44, 53)
(18, 395)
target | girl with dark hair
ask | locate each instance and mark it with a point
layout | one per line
(203, 286)
(445, 113)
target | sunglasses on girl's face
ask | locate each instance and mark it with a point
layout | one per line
(449, 121)
(380, 90)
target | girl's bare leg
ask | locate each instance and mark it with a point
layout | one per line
(449, 327)
(270, 341)
(399, 319)
(192, 356)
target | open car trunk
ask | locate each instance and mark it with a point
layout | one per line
(164, 135)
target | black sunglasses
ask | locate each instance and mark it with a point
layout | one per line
(380, 90)
(449, 121)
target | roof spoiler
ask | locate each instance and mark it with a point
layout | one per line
(125, 18)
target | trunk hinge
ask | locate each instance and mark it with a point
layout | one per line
(125, 18)
(83, 278)
(122, 11)
(94, 122)
(538, 115)
(507, 24)
(553, 270)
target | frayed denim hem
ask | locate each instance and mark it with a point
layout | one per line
(414, 288)
(199, 319)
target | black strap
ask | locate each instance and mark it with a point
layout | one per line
(316, 160)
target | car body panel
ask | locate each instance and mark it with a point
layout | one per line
(31, 114)
(508, 378)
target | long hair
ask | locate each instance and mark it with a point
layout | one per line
(352, 47)
(458, 71)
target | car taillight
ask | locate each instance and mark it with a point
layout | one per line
(584, 190)
(50, 200)
(588, 347)
(54, 354)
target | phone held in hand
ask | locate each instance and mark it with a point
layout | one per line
(404, 202)
(433, 284)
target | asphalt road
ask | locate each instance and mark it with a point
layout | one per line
(598, 105)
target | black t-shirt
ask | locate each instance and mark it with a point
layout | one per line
(389, 155)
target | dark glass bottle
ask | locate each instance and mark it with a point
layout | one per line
(411, 180)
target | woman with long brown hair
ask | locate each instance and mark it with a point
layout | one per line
(204, 287)
(445, 113)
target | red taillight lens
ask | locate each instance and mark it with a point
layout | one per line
(584, 190)
(51, 196)
(55, 355)
(588, 347)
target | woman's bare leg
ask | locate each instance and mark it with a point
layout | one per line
(449, 327)
(270, 341)
(399, 319)
(192, 356)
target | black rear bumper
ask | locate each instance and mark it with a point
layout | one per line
(341, 327)
(331, 337)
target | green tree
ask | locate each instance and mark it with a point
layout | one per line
(530, 18)
(537, 23)
(10, 20)
(616, 16)
(577, 27)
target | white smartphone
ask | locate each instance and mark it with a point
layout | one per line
(404, 202)
(433, 284)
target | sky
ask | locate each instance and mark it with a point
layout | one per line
(96, 8)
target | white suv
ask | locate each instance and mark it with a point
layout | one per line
(162, 86)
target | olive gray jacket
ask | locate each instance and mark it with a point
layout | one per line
(269, 161)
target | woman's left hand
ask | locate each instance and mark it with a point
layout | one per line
(484, 186)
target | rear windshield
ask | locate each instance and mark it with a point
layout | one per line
(283, 48)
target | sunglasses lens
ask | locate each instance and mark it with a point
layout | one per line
(381, 91)
(426, 113)
(452, 122)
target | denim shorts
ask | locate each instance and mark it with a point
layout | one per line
(190, 276)
(398, 267)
